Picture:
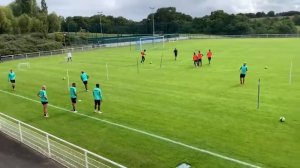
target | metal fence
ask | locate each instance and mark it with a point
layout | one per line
(204, 36)
(46, 53)
(115, 42)
(53, 147)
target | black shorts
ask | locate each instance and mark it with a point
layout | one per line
(242, 75)
(73, 100)
(13, 81)
(97, 102)
(85, 82)
(200, 60)
(209, 58)
(43, 103)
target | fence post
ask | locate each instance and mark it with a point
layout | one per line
(51, 53)
(86, 159)
(48, 144)
(26, 56)
(39, 54)
(20, 131)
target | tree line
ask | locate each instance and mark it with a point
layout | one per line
(25, 16)
(168, 21)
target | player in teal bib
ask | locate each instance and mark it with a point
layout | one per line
(42, 94)
(97, 94)
(243, 71)
(84, 78)
(73, 96)
(12, 79)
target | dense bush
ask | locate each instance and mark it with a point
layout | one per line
(16, 44)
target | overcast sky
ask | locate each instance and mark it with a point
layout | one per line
(139, 9)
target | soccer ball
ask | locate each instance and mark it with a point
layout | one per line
(266, 67)
(64, 78)
(282, 119)
(151, 62)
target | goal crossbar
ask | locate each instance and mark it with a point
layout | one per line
(152, 40)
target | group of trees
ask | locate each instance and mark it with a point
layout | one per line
(270, 14)
(25, 16)
(220, 22)
(168, 20)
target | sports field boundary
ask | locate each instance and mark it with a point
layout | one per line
(144, 133)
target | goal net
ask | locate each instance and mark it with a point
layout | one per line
(23, 66)
(151, 42)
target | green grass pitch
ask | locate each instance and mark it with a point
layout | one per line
(203, 107)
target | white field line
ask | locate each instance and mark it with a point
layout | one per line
(291, 68)
(145, 133)
(106, 71)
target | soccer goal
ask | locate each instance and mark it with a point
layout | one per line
(151, 42)
(23, 65)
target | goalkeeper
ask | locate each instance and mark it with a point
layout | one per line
(143, 53)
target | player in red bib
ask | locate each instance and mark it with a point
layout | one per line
(209, 55)
(195, 59)
(199, 58)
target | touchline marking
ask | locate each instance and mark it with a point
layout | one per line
(144, 132)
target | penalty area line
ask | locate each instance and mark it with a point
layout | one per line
(145, 133)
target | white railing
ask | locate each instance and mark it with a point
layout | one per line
(53, 147)
(46, 53)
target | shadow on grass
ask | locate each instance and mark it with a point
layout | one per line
(236, 85)
(83, 91)
(51, 116)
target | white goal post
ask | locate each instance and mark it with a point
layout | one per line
(23, 65)
(151, 42)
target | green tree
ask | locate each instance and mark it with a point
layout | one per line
(259, 27)
(15, 27)
(54, 23)
(260, 14)
(16, 9)
(219, 22)
(271, 14)
(43, 18)
(24, 23)
(28, 7)
(296, 20)
(287, 26)
(5, 21)
(44, 7)
(168, 20)
(37, 25)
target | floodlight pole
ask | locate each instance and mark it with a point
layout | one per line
(153, 27)
(100, 14)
